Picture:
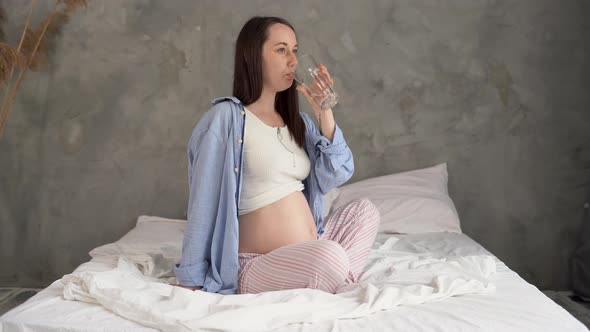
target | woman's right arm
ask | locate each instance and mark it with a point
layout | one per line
(205, 166)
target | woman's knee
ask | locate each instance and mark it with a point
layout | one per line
(331, 257)
(367, 211)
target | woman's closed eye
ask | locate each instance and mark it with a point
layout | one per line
(283, 50)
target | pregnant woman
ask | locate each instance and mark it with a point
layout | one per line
(258, 170)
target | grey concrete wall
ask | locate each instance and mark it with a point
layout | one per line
(498, 89)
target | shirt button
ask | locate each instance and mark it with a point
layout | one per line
(236, 169)
(240, 141)
(243, 112)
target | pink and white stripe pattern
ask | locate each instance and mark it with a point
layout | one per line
(331, 263)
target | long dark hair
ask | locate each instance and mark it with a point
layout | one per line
(248, 74)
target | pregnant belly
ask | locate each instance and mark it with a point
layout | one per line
(286, 221)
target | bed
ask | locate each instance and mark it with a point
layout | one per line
(428, 278)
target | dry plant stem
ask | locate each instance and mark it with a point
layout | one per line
(21, 76)
(9, 88)
(10, 59)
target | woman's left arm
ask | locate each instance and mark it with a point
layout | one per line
(334, 163)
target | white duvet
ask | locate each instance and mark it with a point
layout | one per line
(393, 277)
(514, 306)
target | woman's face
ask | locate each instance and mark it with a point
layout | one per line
(279, 58)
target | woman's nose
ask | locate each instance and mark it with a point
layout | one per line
(293, 62)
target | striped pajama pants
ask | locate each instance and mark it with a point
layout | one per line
(332, 263)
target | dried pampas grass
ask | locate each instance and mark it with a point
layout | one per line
(35, 47)
(31, 52)
(72, 5)
(9, 58)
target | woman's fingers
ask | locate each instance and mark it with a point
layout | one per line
(324, 70)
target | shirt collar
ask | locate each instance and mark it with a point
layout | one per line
(220, 99)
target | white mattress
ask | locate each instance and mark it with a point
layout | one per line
(515, 305)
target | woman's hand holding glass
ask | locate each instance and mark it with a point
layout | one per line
(315, 83)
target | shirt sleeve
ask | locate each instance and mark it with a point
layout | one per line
(334, 163)
(205, 155)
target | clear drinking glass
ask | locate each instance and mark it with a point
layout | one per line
(311, 78)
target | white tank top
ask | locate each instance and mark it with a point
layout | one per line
(270, 172)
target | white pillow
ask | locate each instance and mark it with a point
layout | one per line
(409, 202)
(155, 244)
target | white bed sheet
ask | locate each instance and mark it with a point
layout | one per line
(515, 305)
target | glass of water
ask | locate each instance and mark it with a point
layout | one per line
(309, 75)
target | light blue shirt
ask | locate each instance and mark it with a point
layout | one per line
(215, 158)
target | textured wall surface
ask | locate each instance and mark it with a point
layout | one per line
(498, 89)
